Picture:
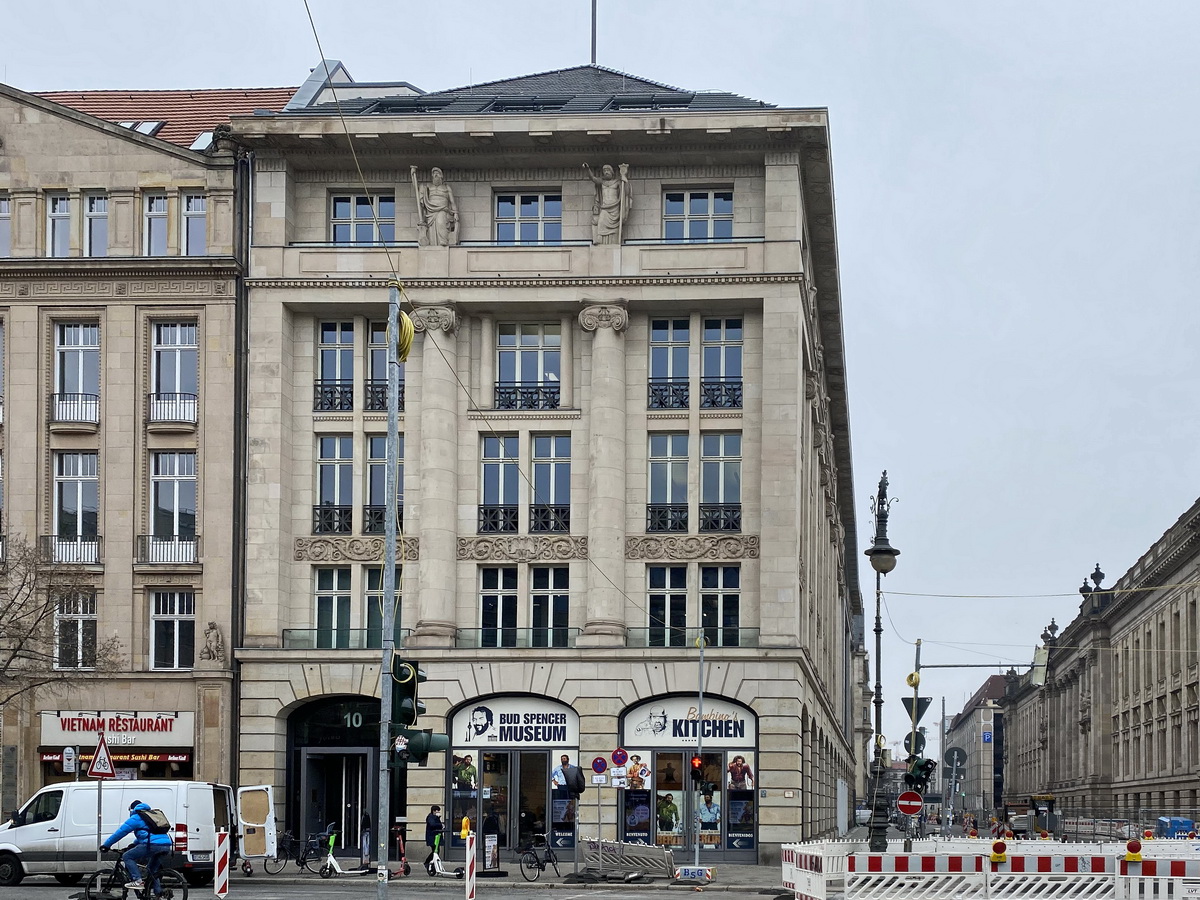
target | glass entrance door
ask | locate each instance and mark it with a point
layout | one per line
(334, 788)
(534, 769)
(511, 802)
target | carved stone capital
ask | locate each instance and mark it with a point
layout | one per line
(523, 548)
(715, 546)
(604, 315)
(435, 318)
(352, 549)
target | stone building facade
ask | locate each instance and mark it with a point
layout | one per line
(624, 427)
(981, 731)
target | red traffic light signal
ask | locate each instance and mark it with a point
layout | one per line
(697, 768)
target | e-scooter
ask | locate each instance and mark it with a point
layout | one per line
(331, 867)
(435, 868)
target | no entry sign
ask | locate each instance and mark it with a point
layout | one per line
(909, 803)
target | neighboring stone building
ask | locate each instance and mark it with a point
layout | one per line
(119, 287)
(1114, 730)
(980, 731)
(624, 424)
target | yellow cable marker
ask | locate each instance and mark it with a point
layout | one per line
(404, 339)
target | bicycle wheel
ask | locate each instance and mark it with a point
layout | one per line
(552, 860)
(172, 885)
(276, 864)
(101, 886)
(313, 862)
(531, 866)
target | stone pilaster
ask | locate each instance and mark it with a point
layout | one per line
(605, 623)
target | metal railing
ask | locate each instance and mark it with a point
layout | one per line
(75, 408)
(375, 519)
(487, 638)
(340, 638)
(333, 396)
(668, 393)
(666, 517)
(720, 517)
(375, 396)
(153, 548)
(543, 518)
(171, 408)
(523, 395)
(329, 519)
(720, 393)
(671, 636)
(498, 519)
(73, 549)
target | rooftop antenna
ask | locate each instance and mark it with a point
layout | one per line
(594, 32)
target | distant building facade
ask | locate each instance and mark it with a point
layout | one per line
(979, 730)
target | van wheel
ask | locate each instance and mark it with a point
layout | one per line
(11, 872)
(69, 878)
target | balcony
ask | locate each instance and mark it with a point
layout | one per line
(720, 517)
(73, 549)
(486, 638)
(668, 393)
(375, 518)
(498, 519)
(524, 395)
(333, 396)
(720, 393)
(671, 636)
(74, 412)
(666, 517)
(153, 548)
(171, 409)
(329, 519)
(340, 638)
(375, 396)
(550, 518)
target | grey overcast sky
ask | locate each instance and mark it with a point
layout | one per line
(1017, 194)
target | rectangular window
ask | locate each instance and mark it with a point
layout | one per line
(529, 218)
(335, 476)
(669, 364)
(377, 374)
(335, 367)
(173, 630)
(363, 219)
(698, 216)
(173, 492)
(77, 372)
(58, 225)
(550, 605)
(373, 608)
(721, 364)
(75, 631)
(528, 365)
(195, 225)
(499, 484)
(95, 225)
(721, 481)
(154, 225)
(76, 504)
(667, 509)
(498, 606)
(551, 508)
(5, 226)
(373, 515)
(720, 604)
(333, 608)
(667, 605)
(175, 372)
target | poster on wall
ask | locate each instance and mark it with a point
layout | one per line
(637, 817)
(531, 722)
(739, 821)
(677, 721)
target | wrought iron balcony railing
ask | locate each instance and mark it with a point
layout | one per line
(523, 395)
(550, 518)
(171, 408)
(333, 396)
(667, 517)
(340, 638)
(472, 638)
(375, 519)
(73, 549)
(720, 517)
(668, 393)
(376, 393)
(720, 393)
(673, 636)
(497, 519)
(329, 519)
(75, 408)
(152, 548)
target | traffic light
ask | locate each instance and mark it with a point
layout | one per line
(697, 771)
(413, 746)
(920, 770)
(406, 705)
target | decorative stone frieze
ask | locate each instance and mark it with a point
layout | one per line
(351, 549)
(604, 315)
(590, 281)
(523, 548)
(435, 318)
(724, 546)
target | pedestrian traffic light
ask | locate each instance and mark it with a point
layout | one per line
(697, 770)
(406, 705)
(920, 770)
(422, 743)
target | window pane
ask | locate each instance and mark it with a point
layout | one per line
(341, 207)
(673, 230)
(196, 236)
(698, 229)
(362, 207)
(529, 232)
(553, 232)
(673, 204)
(529, 205)
(723, 229)
(723, 203)
(341, 233)
(553, 206)
(698, 204)
(506, 206)
(387, 207)
(506, 232)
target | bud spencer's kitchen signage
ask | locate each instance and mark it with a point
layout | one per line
(676, 721)
(120, 727)
(515, 722)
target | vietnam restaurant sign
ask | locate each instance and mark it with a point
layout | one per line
(675, 721)
(515, 721)
(151, 729)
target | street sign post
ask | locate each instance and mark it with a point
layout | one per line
(101, 768)
(909, 803)
(619, 757)
(599, 765)
(922, 705)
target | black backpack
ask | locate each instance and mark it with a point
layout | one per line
(156, 821)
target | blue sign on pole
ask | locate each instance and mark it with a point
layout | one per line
(987, 737)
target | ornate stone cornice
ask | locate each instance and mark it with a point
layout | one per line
(523, 548)
(723, 546)
(352, 549)
(157, 289)
(604, 315)
(435, 318)
(414, 284)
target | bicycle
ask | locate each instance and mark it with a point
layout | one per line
(285, 847)
(109, 884)
(314, 855)
(534, 864)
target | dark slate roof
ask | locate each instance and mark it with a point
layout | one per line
(582, 89)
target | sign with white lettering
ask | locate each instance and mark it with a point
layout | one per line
(675, 721)
(122, 728)
(516, 722)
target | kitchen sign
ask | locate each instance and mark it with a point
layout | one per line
(676, 721)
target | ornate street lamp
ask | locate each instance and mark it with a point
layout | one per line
(883, 560)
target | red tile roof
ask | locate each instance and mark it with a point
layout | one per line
(186, 113)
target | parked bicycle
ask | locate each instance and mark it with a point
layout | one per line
(286, 848)
(533, 862)
(109, 884)
(314, 854)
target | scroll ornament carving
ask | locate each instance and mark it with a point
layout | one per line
(740, 546)
(435, 318)
(523, 548)
(322, 549)
(604, 316)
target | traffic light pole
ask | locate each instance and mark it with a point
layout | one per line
(700, 642)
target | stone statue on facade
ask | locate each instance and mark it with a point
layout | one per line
(214, 644)
(611, 206)
(437, 213)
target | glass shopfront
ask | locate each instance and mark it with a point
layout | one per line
(664, 804)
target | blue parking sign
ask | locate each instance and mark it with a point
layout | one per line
(987, 737)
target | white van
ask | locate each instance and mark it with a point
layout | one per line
(55, 832)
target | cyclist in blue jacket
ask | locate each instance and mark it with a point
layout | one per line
(154, 848)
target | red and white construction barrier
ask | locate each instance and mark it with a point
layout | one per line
(470, 876)
(803, 873)
(1097, 865)
(221, 865)
(1162, 868)
(870, 863)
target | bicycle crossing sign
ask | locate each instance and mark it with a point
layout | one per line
(102, 764)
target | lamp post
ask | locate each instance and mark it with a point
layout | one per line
(883, 560)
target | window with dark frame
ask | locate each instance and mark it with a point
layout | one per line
(528, 217)
(698, 215)
(363, 219)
